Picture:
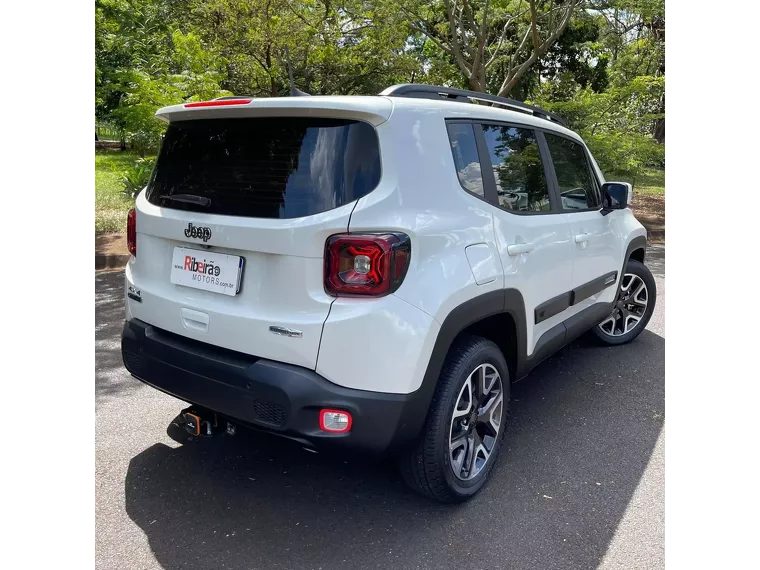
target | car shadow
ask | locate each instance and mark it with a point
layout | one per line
(581, 431)
(110, 380)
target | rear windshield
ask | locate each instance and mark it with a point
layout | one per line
(265, 167)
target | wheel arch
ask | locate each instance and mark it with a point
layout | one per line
(636, 250)
(498, 316)
(638, 254)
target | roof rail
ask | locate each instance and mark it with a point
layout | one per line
(420, 91)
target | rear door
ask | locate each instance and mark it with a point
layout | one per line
(232, 226)
(533, 235)
(595, 248)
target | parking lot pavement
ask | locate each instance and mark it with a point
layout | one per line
(580, 483)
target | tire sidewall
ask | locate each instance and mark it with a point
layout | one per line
(489, 353)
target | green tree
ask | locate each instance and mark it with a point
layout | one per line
(617, 123)
(493, 43)
(343, 47)
(145, 60)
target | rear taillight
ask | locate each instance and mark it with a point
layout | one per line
(132, 232)
(366, 264)
(335, 421)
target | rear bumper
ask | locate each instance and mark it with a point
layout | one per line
(268, 395)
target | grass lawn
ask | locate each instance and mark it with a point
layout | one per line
(647, 181)
(111, 205)
(648, 200)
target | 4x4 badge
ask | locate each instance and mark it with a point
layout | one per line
(197, 232)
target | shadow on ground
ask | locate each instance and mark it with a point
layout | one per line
(110, 377)
(582, 430)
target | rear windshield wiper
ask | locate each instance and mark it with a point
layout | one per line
(188, 199)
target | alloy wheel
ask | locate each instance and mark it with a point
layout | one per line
(476, 422)
(630, 306)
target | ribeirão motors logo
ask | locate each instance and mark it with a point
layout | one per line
(204, 267)
(216, 272)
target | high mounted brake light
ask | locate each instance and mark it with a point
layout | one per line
(218, 103)
(366, 264)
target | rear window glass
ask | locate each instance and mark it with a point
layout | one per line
(265, 167)
(466, 160)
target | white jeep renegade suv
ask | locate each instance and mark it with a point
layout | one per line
(371, 273)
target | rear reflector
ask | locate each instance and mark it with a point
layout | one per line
(132, 232)
(335, 421)
(223, 103)
(366, 264)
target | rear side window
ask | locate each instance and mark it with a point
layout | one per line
(518, 169)
(466, 160)
(265, 167)
(577, 187)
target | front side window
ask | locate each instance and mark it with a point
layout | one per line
(518, 169)
(577, 187)
(466, 160)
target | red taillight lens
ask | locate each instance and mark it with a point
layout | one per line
(366, 264)
(132, 232)
(222, 103)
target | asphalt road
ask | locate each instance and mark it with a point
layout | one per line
(580, 483)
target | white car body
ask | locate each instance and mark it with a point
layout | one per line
(462, 248)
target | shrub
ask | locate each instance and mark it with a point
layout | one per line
(145, 142)
(137, 176)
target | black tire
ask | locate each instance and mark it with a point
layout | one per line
(635, 268)
(427, 467)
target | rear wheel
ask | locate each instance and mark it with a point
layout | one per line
(465, 424)
(633, 306)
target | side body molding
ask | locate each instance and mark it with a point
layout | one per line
(509, 301)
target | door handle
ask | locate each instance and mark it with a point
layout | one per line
(519, 248)
(582, 238)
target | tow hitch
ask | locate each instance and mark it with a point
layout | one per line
(199, 422)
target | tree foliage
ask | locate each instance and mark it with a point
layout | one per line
(617, 123)
(492, 42)
(146, 57)
(336, 47)
(600, 63)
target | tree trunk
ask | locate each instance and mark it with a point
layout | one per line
(477, 81)
(659, 131)
(272, 82)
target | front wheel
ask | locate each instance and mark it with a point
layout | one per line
(465, 424)
(633, 306)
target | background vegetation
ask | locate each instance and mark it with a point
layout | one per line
(599, 64)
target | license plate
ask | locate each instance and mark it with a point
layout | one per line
(216, 272)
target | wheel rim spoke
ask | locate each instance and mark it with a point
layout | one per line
(464, 402)
(478, 381)
(630, 322)
(458, 441)
(490, 414)
(469, 462)
(608, 326)
(476, 421)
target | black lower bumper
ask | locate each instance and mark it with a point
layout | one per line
(273, 396)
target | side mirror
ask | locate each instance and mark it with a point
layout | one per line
(616, 195)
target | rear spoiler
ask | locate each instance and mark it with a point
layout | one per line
(374, 110)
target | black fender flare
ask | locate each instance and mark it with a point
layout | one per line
(468, 313)
(637, 243)
(508, 301)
